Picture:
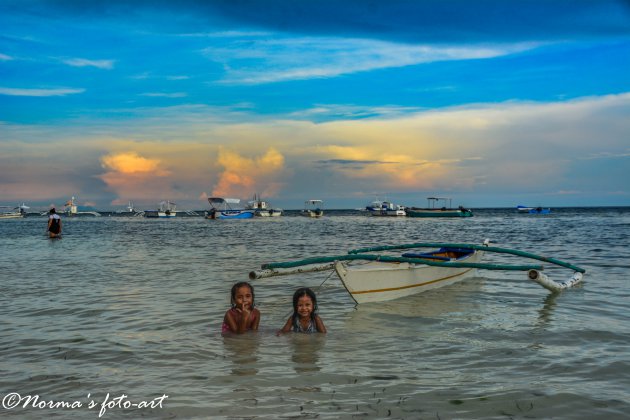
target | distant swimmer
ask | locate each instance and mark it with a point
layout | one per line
(54, 224)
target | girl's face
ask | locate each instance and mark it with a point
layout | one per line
(305, 306)
(243, 297)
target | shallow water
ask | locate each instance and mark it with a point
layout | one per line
(134, 306)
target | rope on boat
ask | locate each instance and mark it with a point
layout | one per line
(471, 246)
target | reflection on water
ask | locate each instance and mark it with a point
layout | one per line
(123, 306)
(305, 350)
(242, 350)
(546, 312)
(431, 306)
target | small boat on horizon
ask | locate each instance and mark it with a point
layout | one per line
(262, 208)
(434, 209)
(221, 208)
(130, 210)
(385, 208)
(313, 208)
(166, 210)
(72, 210)
(8, 212)
(532, 210)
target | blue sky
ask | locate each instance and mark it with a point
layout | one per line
(493, 103)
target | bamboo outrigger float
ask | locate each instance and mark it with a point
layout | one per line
(376, 277)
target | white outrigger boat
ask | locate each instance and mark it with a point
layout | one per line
(372, 277)
(313, 208)
(262, 208)
(8, 212)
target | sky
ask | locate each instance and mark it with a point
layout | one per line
(492, 103)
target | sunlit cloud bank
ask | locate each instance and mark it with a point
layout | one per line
(243, 175)
(564, 148)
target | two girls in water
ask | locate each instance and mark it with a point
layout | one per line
(243, 316)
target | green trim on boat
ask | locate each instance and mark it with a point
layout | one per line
(471, 246)
(385, 258)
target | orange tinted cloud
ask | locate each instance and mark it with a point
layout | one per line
(129, 163)
(134, 177)
(242, 176)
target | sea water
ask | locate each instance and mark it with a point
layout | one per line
(121, 318)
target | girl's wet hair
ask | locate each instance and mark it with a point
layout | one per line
(239, 285)
(304, 291)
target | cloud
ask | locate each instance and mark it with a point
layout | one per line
(579, 145)
(165, 95)
(134, 177)
(4, 57)
(130, 163)
(38, 92)
(243, 176)
(82, 62)
(264, 60)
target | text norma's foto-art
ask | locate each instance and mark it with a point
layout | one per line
(14, 400)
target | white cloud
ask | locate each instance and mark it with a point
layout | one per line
(82, 62)
(39, 92)
(265, 60)
(4, 57)
(165, 95)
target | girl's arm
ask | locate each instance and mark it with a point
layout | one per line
(319, 324)
(239, 326)
(256, 319)
(287, 326)
(230, 321)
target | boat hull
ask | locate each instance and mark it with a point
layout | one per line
(438, 213)
(11, 216)
(376, 281)
(312, 213)
(268, 213)
(231, 214)
(387, 213)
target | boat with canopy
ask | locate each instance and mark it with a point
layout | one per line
(437, 207)
(222, 208)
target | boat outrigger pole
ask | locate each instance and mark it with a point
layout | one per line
(471, 246)
(328, 263)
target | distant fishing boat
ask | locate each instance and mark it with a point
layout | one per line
(313, 208)
(222, 208)
(262, 208)
(166, 210)
(8, 212)
(532, 210)
(385, 208)
(372, 275)
(71, 209)
(437, 208)
(129, 211)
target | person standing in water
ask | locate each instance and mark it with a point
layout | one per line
(54, 224)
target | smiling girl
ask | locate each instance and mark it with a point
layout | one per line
(304, 318)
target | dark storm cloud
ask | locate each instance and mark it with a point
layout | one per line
(395, 20)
